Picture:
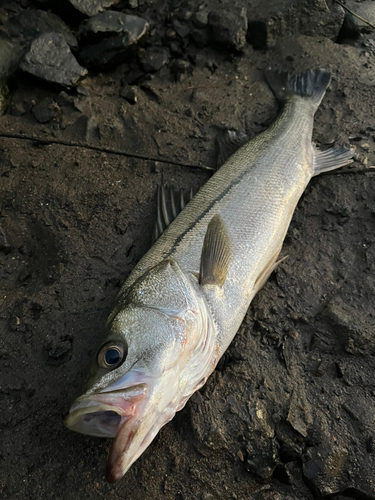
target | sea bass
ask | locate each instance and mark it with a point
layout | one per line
(183, 303)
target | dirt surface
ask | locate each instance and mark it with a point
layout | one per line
(289, 413)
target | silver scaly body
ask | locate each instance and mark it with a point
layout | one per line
(183, 303)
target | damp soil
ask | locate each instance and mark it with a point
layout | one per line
(289, 412)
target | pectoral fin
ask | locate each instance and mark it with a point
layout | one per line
(216, 254)
(266, 273)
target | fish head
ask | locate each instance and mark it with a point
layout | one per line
(137, 379)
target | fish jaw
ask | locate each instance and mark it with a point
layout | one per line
(132, 440)
(103, 414)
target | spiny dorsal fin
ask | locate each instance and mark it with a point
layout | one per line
(216, 253)
(228, 142)
(170, 202)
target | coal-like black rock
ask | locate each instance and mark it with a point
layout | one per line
(155, 58)
(229, 27)
(200, 18)
(109, 36)
(45, 110)
(31, 23)
(92, 7)
(50, 58)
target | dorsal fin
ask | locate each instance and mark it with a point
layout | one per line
(170, 202)
(216, 253)
(228, 142)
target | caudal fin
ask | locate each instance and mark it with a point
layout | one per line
(312, 84)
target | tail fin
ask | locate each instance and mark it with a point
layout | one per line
(312, 84)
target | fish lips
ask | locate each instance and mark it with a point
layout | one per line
(104, 414)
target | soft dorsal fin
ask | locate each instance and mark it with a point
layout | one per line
(228, 142)
(216, 253)
(170, 202)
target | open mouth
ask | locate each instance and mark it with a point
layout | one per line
(104, 414)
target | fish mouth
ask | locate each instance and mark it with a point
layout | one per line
(104, 414)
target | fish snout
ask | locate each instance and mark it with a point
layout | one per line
(103, 414)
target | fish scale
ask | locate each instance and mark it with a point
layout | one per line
(255, 193)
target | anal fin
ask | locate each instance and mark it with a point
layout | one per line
(332, 158)
(216, 253)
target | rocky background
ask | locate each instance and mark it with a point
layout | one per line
(101, 102)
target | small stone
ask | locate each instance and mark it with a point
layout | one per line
(63, 99)
(92, 7)
(181, 29)
(50, 58)
(200, 18)
(181, 66)
(155, 58)
(33, 23)
(109, 36)
(17, 109)
(130, 94)
(45, 110)
(229, 28)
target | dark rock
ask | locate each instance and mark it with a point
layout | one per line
(134, 76)
(200, 18)
(45, 110)
(110, 36)
(92, 7)
(229, 27)
(31, 24)
(63, 99)
(155, 58)
(324, 469)
(111, 22)
(181, 66)
(353, 27)
(11, 53)
(130, 94)
(17, 109)
(181, 29)
(50, 58)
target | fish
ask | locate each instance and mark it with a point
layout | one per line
(184, 301)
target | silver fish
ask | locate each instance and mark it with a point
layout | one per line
(183, 303)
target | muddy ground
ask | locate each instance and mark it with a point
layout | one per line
(289, 413)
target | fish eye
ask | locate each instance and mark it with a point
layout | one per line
(111, 355)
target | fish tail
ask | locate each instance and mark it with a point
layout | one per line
(311, 84)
